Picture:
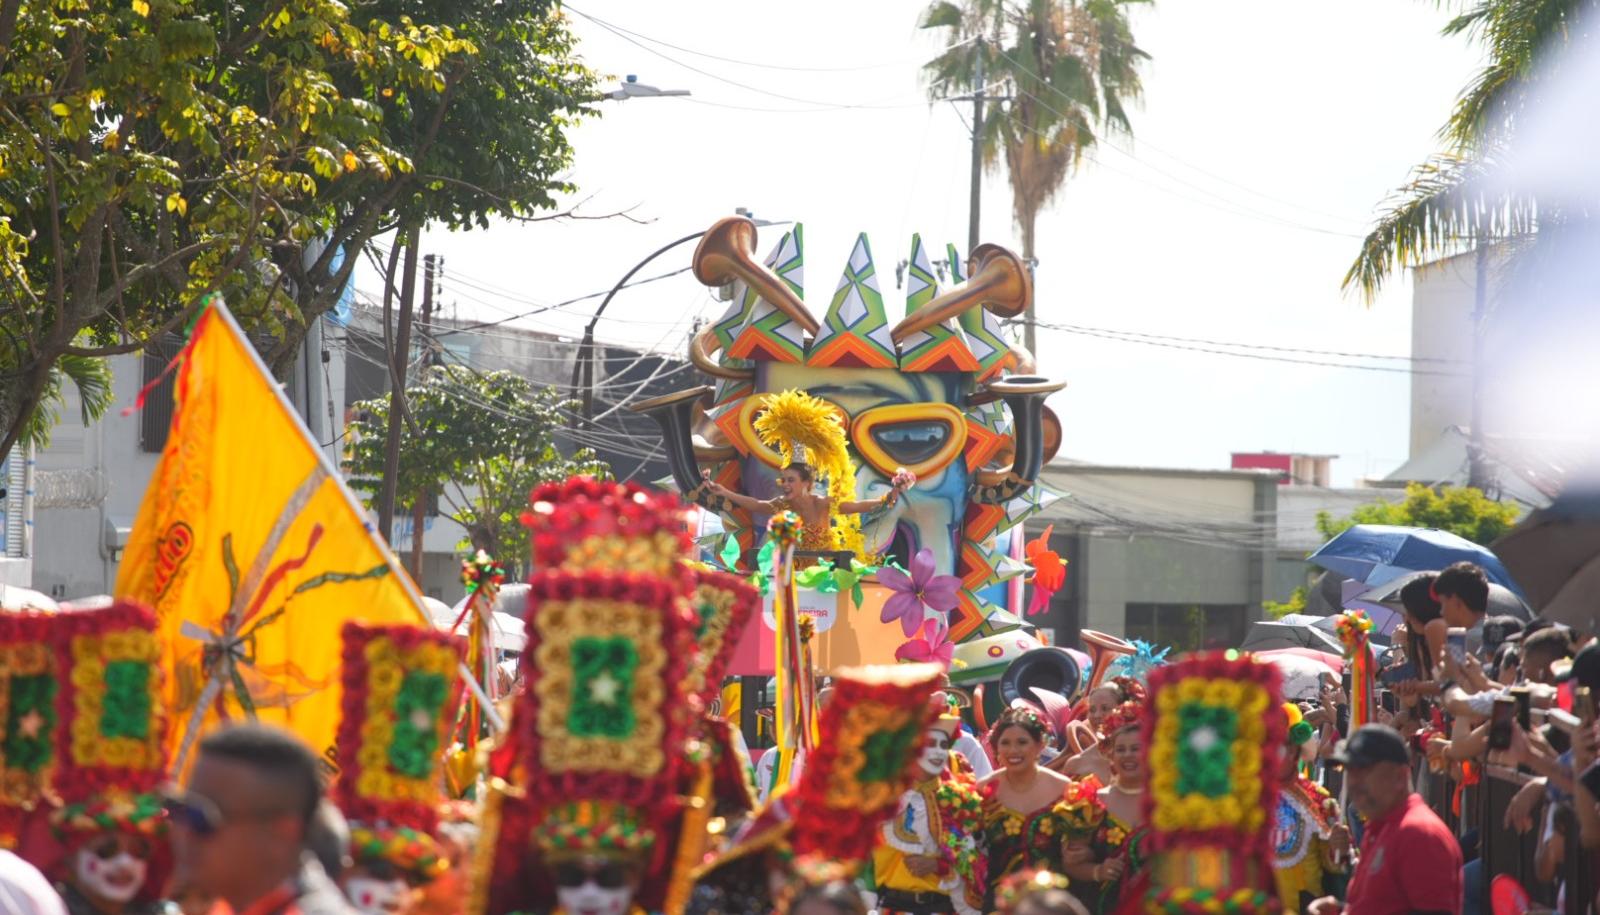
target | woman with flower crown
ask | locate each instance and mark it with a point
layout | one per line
(1117, 861)
(1028, 815)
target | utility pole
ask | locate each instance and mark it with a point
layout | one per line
(977, 154)
(1477, 464)
(419, 511)
(399, 358)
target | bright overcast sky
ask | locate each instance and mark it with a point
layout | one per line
(1268, 134)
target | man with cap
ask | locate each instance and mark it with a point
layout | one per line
(1409, 861)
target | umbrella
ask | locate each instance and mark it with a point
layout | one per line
(1502, 600)
(1556, 554)
(508, 631)
(1376, 553)
(1265, 635)
(13, 598)
(1333, 661)
(1302, 676)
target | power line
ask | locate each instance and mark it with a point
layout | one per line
(735, 83)
(747, 63)
(1262, 346)
(1123, 338)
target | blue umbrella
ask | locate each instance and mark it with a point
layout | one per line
(1376, 553)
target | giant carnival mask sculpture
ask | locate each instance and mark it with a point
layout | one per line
(940, 393)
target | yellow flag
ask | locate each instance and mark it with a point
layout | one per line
(253, 553)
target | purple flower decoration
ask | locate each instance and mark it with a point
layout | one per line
(928, 645)
(916, 593)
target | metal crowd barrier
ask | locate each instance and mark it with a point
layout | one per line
(1506, 851)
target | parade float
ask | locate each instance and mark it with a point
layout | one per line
(937, 396)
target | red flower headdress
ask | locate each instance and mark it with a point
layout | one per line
(603, 718)
(1131, 689)
(110, 720)
(872, 732)
(1127, 715)
(28, 683)
(1212, 742)
(399, 697)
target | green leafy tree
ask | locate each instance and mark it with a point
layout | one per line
(1277, 610)
(1453, 201)
(1461, 510)
(155, 151)
(480, 443)
(1073, 69)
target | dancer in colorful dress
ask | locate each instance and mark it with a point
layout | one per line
(1310, 845)
(1027, 815)
(929, 860)
(1115, 866)
(809, 435)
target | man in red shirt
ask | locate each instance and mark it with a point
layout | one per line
(1410, 864)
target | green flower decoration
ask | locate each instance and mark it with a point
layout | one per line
(30, 723)
(603, 671)
(1205, 749)
(415, 744)
(886, 753)
(127, 702)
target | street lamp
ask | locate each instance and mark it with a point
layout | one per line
(586, 349)
(632, 88)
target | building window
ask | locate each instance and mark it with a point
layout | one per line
(1188, 627)
(155, 418)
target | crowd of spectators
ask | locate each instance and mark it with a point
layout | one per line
(1472, 698)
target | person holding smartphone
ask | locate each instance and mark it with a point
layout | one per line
(1462, 591)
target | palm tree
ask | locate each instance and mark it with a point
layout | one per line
(1457, 200)
(90, 376)
(1072, 68)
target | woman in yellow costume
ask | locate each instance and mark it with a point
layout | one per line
(1309, 843)
(812, 440)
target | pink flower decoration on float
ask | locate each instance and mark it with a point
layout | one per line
(928, 645)
(917, 593)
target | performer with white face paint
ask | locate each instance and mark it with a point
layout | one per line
(106, 873)
(104, 745)
(372, 895)
(927, 860)
(594, 885)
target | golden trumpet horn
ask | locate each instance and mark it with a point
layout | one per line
(726, 254)
(1101, 648)
(1001, 284)
(701, 348)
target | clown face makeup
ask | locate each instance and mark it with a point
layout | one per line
(372, 896)
(111, 868)
(593, 887)
(935, 751)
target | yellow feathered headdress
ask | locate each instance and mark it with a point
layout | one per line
(794, 421)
